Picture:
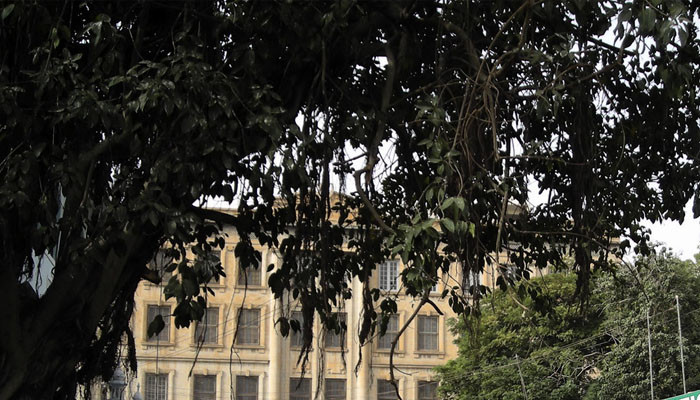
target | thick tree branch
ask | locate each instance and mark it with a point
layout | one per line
(423, 300)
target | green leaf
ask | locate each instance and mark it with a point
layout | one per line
(626, 14)
(7, 11)
(447, 203)
(647, 20)
(676, 9)
(459, 203)
(472, 229)
(191, 287)
(283, 326)
(627, 41)
(156, 326)
(683, 35)
(448, 224)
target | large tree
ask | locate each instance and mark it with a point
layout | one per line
(120, 119)
(552, 350)
(552, 344)
(650, 285)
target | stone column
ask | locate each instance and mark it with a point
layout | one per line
(361, 390)
(313, 359)
(277, 369)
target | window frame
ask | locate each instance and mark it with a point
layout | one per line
(381, 346)
(293, 394)
(206, 395)
(148, 395)
(296, 339)
(423, 384)
(220, 281)
(420, 335)
(337, 395)
(339, 337)
(247, 395)
(241, 328)
(388, 392)
(471, 282)
(208, 327)
(388, 270)
(156, 339)
(157, 264)
(241, 275)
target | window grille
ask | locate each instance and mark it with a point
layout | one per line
(392, 329)
(427, 390)
(334, 389)
(333, 339)
(246, 388)
(389, 275)
(300, 389)
(427, 332)
(156, 387)
(207, 329)
(164, 312)
(385, 390)
(204, 387)
(249, 327)
(296, 339)
(251, 275)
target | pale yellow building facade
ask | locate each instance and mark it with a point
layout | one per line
(263, 364)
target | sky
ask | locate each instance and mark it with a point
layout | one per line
(684, 238)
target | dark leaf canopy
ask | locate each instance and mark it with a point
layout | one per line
(346, 132)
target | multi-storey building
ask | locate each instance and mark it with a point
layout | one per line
(200, 362)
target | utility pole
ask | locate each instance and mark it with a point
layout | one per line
(680, 343)
(651, 369)
(522, 381)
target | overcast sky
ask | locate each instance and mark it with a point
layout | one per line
(683, 239)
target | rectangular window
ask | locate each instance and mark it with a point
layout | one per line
(160, 262)
(300, 389)
(389, 275)
(511, 272)
(204, 387)
(207, 330)
(249, 327)
(335, 389)
(335, 339)
(209, 265)
(296, 339)
(164, 312)
(252, 275)
(385, 390)
(427, 390)
(156, 387)
(427, 332)
(471, 283)
(392, 329)
(246, 388)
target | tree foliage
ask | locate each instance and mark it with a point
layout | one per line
(555, 345)
(566, 354)
(120, 119)
(652, 284)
